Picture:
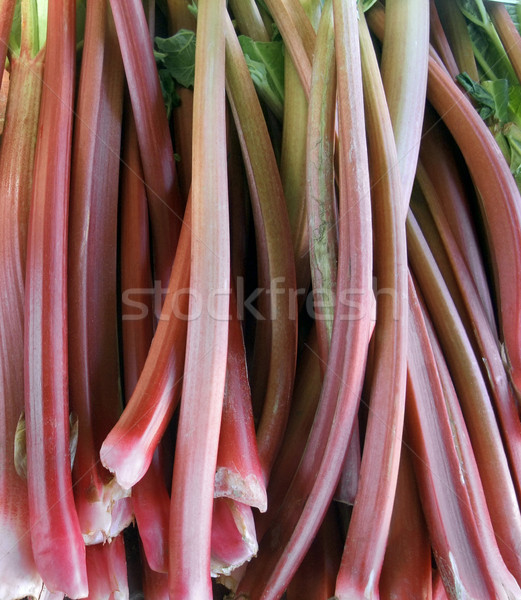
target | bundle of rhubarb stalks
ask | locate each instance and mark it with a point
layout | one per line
(260, 299)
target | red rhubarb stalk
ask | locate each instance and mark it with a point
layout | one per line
(207, 340)
(6, 20)
(129, 447)
(53, 518)
(407, 570)
(18, 574)
(239, 474)
(107, 570)
(441, 162)
(150, 498)
(369, 526)
(316, 575)
(234, 541)
(165, 204)
(102, 508)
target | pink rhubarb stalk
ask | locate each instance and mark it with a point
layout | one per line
(234, 541)
(107, 570)
(102, 506)
(238, 474)
(165, 204)
(205, 366)
(369, 526)
(53, 518)
(129, 447)
(18, 574)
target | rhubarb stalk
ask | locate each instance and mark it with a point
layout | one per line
(53, 518)
(200, 415)
(18, 574)
(103, 509)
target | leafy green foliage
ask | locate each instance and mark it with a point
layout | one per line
(265, 62)
(175, 59)
(488, 49)
(498, 103)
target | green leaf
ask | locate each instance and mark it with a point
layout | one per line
(498, 89)
(170, 96)
(488, 49)
(512, 134)
(482, 96)
(177, 56)
(265, 62)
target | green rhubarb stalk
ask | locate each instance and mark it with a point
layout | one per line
(405, 58)
(293, 158)
(457, 33)
(508, 34)
(18, 573)
(207, 337)
(320, 181)
(489, 52)
(249, 20)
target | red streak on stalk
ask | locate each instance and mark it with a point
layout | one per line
(285, 544)
(165, 205)
(53, 519)
(205, 367)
